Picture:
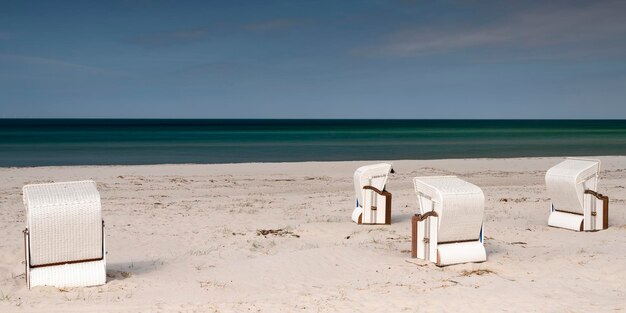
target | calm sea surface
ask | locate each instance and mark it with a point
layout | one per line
(34, 142)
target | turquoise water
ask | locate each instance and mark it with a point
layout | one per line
(36, 142)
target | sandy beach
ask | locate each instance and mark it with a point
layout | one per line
(193, 238)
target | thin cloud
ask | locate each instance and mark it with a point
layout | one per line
(218, 68)
(601, 23)
(60, 64)
(186, 36)
(168, 38)
(272, 24)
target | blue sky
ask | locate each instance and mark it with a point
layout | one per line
(313, 59)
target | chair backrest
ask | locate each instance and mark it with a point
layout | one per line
(567, 181)
(64, 222)
(459, 205)
(374, 175)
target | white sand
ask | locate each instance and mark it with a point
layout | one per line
(184, 238)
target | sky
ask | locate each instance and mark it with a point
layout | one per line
(313, 59)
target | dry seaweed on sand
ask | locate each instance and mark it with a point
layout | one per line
(276, 232)
(478, 272)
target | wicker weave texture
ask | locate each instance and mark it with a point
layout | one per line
(460, 206)
(374, 175)
(567, 181)
(64, 222)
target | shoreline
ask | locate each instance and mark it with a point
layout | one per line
(608, 157)
(184, 237)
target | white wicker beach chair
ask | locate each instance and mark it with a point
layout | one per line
(64, 239)
(373, 202)
(576, 203)
(449, 228)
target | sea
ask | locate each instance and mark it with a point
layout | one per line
(45, 142)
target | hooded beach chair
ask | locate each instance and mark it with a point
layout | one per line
(449, 228)
(373, 202)
(576, 204)
(64, 236)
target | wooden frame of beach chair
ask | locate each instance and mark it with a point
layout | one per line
(64, 239)
(449, 228)
(373, 202)
(576, 203)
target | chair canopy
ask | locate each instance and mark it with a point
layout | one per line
(64, 221)
(568, 180)
(459, 205)
(374, 175)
